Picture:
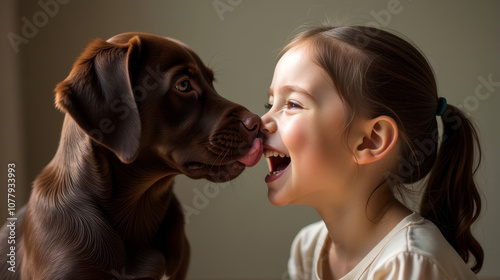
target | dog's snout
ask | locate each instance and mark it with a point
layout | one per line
(252, 122)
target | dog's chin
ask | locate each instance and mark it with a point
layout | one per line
(214, 173)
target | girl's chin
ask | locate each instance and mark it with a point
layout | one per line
(276, 199)
(279, 196)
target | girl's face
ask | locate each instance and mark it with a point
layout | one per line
(308, 160)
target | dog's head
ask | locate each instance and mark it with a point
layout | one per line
(139, 94)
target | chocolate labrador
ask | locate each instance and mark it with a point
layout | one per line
(139, 110)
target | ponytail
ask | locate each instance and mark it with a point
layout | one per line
(451, 199)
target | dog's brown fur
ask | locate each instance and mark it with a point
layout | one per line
(104, 208)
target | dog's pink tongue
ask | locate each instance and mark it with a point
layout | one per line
(254, 154)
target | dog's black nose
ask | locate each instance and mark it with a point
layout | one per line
(252, 122)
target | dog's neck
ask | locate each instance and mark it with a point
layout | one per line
(135, 197)
(140, 197)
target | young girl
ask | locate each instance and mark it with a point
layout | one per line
(352, 125)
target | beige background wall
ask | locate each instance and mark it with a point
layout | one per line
(234, 231)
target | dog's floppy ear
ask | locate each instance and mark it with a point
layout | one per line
(98, 95)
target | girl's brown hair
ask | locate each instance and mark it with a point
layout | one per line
(378, 73)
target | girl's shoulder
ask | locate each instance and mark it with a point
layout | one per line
(419, 247)
(419, 236)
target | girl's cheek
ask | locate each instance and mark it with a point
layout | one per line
(294, 135)
(301, 141)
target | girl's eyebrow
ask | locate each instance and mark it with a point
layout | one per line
(292, 88)
(287, 89)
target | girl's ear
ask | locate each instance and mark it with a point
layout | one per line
(376, 139)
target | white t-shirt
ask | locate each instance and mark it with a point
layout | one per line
(414, 249)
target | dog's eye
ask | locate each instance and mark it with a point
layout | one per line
(183, 86)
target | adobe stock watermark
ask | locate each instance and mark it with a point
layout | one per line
(201, 199)
(223, 6)
(428, 146)
(12, 220)
(31, 27)
(382, 18)
(482, 92)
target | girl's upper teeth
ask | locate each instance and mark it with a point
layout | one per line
(268, 154)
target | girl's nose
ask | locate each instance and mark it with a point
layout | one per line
(268, 125)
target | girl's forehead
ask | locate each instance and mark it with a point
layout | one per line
(296, 69)
(292, 68)
(297, 64)
(297, 53)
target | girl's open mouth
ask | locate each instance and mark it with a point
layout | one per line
(278, 162)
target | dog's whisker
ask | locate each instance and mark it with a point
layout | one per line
(223, 157)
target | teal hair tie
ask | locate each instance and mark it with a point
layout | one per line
(441, 106)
